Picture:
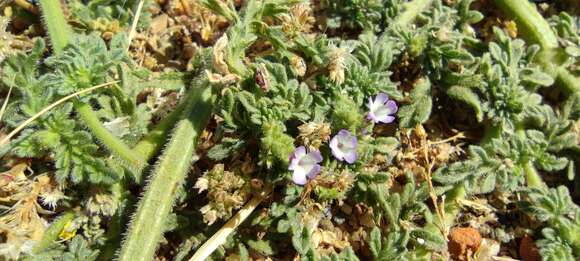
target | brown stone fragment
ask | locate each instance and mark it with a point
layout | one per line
(463, 242)
(528, 249)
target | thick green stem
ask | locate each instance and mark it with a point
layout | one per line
(536, 30)
(533, 179)
(114, 144)
(531, 24)
(567, 82)
(149, 222)
(154, 140)
(412, 10)
(52, 232)
(55, 23)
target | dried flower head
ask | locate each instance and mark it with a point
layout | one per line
(337, 65)
(381, 109)
(298, 20)
(297, 65)
(224, 76)
(22, 223)
(5, 39)
(210, 23)
(343, 146)
(262, 77)
(226, 192)
(313, 134)
(304, 165)
(101, 202)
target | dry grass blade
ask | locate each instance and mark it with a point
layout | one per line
(135, 21)
(5, 102)
(5, 140)
(220, 236)
(27, 6)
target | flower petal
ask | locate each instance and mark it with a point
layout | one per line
(381, 114)
(315, 155)
(371, 117)
(336, 151)
(313, 172)
(392, 106)
(298, 178)
(388, 119)
(296, 156)
(381, 98)
(350, 157)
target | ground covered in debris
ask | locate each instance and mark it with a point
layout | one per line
(345, 130)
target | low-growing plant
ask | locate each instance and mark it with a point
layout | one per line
(312, 130)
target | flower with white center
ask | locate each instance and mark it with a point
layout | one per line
(343, 146)
(381, 109)
(304, 165)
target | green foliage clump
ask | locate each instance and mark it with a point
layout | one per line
(555, 208)
(345, 114)
(85, 64)
(73, 148)
(285, 74)
(369, 15)
(276, 144)
(108, 15)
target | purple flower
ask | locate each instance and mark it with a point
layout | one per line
(381, 109)
(305, 165)
(343, 146)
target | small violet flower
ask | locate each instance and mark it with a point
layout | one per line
(305, 165)
(343, 146)
(381, 109)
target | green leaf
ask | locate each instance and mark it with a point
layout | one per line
(469, 97)
(301, 240)
(536, 76)
(420, 108)
(243, 252)
(78, 249)
(225, 148)
(375, 242)
(263, 247)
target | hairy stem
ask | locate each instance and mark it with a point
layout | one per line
(567, 82)
(148, 223)
(412, 10)
(530, 23)
(536, 30)
(533, 179)
(52, 232)
(114, 144)
(55, 23)
(154, 140)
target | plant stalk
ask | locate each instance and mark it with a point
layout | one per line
(154, 140)
(148, 224)
(58, 29)
(114, 144)
(536, 30)
(533, 179)
(412, 10)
